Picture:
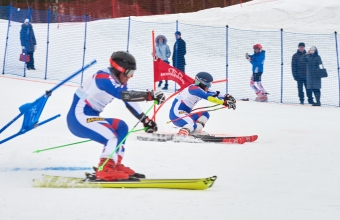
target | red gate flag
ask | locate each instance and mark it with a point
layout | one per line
(163, 71)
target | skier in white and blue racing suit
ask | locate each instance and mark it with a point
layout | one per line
(180, 112)
(89, 101)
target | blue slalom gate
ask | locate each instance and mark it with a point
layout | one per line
(32, 111)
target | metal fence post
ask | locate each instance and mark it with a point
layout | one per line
(128, 37)
(226, 61)
(82, 66)
(48, 37)
(337, 59)
(9, 19)
(281, 65)
(176, 49)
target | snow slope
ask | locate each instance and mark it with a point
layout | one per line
(303, 16)
(290, 172)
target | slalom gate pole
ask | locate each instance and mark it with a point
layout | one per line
(195, 113)
(153, 62)
(100, 168)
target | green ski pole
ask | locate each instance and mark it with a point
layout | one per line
(100, 168)
(80, 142)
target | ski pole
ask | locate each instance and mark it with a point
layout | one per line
(205, 107)
(65, 145)
(194, 113)
(100, 168)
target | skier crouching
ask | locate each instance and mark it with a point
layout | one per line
(188, 98)
(89, 101)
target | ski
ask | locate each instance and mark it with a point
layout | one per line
(71, 182)
(53, 178)
(198, 138)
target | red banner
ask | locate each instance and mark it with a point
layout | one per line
(163, 71)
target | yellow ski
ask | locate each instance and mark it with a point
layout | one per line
(64, 182)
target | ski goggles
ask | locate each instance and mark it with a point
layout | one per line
(199, 80)
(126, 72)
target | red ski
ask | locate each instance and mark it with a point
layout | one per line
(202, 138)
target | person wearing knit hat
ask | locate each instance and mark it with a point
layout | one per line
(28, 42)
(299, 71)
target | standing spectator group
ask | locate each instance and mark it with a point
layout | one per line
(163, 52)
(305, 68)
(28, 42)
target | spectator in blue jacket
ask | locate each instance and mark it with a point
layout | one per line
(28, 42)
(163, 52)
(257, 60)
(299, 70)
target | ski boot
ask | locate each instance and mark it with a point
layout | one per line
(110, 172)
(183, 132)
(127, 170)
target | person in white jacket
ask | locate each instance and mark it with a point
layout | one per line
(163, 52)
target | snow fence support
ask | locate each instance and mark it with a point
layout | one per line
(48, 39)
(128, 36)
(82, 66)
(9, 20)
(337, 59)
(281, 65)
(226, 58)
(176, 58)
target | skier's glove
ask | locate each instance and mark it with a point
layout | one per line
(217, 93)
(229, 101)
(158, 96)
(248, 57)
(149, 125)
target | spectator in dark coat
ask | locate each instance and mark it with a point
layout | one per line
(180, 50)
(28, 42)
(299, 70)
(313, 61)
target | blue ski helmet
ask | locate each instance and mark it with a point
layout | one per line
(203, 79)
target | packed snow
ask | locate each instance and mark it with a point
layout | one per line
(290, 172)
(302, 16)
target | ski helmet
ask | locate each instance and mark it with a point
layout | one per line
(203, 79)
(257, 46)
(124, 62)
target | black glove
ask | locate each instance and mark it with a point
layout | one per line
(229, 101)
(217, 93)
(149, 125)
(158, 96)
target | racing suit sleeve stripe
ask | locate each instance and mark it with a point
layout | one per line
(105, 83)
